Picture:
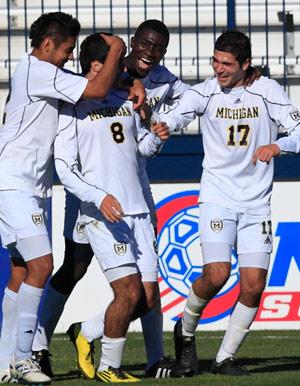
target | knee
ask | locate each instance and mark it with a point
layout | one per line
(41, 267)
(216, 278)
(134, 293)
(250, 293)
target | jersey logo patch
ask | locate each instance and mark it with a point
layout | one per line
(238, 101)
(80, 227)
(37, 218)
(216, 225)
(120, 248)
(295, 115)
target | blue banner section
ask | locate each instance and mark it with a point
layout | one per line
(4, 274)
(288, 250)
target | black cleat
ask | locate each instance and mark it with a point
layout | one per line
(229, 366)
(185, 352)
(164, 368)
(42, 357)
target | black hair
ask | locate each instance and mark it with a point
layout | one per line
(154, 25)
(92, 48)
(235, 42)
(57, 25)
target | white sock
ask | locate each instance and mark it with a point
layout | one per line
(193, 309)
(112, 352)
(9, 328)
(93, 328)
(52, 308)
(152, 325)
(238, 328)
(28, 301)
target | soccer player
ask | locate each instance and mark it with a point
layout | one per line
(96, 159)
(26, 142)
(148, 46)
(235, 194)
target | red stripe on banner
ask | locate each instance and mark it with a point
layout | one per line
(279, 306)
(173, 304)
(169, 209)
(165, 292)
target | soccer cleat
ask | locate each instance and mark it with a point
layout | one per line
(185, 352)
(164, 368)
(84, 351)
(5, 377)
(112, 375)
(229, 366)
(42, 357)
(28, 372)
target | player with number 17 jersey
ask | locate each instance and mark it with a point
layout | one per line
(232, 128)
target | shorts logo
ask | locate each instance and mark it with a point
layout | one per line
(37, 218)
(268, 240)
(120, 248)
(216, 225)
(155, 246)
(80, 227)
(295, 115)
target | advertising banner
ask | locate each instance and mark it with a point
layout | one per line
(181, 262)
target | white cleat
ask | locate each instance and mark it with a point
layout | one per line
(5, 377)
(28, 372)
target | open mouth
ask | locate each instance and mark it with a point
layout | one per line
(144, 63)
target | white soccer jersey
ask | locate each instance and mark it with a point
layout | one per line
(234, 122)
(96, 152)
(162, 87)
(26, 139)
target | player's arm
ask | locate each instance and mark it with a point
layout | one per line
(266, 153)
(185, 110)
(102, 83)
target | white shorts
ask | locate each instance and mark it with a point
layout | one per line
(74, 227)
(130, 241)
(22, 216)
(248, 233)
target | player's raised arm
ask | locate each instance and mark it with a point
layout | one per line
(102, 83)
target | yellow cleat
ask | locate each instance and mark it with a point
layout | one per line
(84, 350)
(112, 375)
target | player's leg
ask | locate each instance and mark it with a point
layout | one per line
(76, 261)
(127, 294)
(77, 258)
(253, 271)
(113, 243)
(152, 318)
(23, 219)
(217, 238)
(9, 322)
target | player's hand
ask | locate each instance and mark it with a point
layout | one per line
(111, 209)
(265, 153)
(253, 73)
(137, 94)
(161, 130)
(145, 113)
(115, 42)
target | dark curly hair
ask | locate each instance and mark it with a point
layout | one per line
(57, 25)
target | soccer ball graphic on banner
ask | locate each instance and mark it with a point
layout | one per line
(180, 252)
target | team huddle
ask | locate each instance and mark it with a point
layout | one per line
(98, 129)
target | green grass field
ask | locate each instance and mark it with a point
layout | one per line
(273, 357)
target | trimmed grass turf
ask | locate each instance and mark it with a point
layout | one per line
(273, 357)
